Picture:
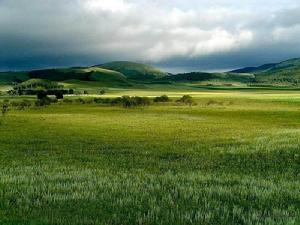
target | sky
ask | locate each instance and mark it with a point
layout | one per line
(176, 35)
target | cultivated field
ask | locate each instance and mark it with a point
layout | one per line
(234, 158)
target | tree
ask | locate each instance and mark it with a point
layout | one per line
(12, 92)
(102, 92)
(41, 94)
(132, 102)
(141, 101)
(186, 99)
(163, 98)
(59, 95)
(43, 102)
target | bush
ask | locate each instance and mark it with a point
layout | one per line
(102, 92)
(71, 91)
(43, 102)
(59, 95)
(41, 94)
(142, 101)
(103, 101)
(85, 92)
(186, 99)
(116, 101)
(125, 101)
(163, 98)
(67, 101)
(132, 102)
(80, 100)
(22, 104)
(12, 92)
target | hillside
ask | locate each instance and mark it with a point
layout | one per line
(286, 72)
(135, 71)
(10, 77)
(254, 69)
(39, 83)
(127, 74)
(105, 76)
(199, 76)
(109, 74)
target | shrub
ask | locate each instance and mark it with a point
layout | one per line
(59, 95)
(102, 92)
(43, 102)
(71, 91)
(22, 104)
(163, 98)
(186, 99)
(80, 100)
(141, 101)
(41, 94)
(53, 100)
(127, 102)
(132, 102)
(68, 101)
(85, 92)
(116, 101)
(103, 100)
(12, 92)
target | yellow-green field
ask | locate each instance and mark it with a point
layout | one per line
(234, 158)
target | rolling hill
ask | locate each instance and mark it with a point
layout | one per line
(39, 83)
(199, 76)
(10, 77)
(104, 76)
(127, 74)
(286, 72)
(134, 71)
(110, 74)
(254, 69)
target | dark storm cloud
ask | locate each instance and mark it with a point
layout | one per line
(196, 34)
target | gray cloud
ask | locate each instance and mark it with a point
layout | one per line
(195, 34)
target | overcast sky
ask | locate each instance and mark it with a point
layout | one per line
(179, 35)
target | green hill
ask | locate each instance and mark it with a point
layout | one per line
(135, 71)
(125, 74)
(10, 77)
(286, 72)
(200, 76)
(39, 83)
(105, 76)
(100, 75)
(254, 69)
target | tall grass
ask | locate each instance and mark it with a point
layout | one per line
(230, 163)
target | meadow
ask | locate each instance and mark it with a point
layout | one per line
(234, 158)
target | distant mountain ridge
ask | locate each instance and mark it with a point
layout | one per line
(254, 69)
(119, 73)
(126, 74)
(287, 71)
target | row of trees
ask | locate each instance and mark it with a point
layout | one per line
(131, 102)
(37, 91)
(124, 101)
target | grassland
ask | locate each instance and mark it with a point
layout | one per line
(232, 159)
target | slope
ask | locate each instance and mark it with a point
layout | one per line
(135, 71)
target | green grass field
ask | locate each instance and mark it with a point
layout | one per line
(232, 159)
